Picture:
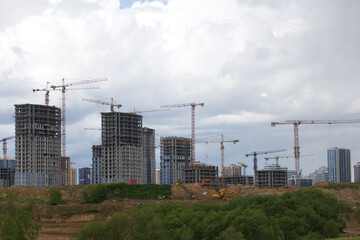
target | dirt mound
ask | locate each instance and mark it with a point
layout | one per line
(321, 184)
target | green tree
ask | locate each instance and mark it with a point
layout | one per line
(55, 196)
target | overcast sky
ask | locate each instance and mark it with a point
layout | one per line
(250, 62)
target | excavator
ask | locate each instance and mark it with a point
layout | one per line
(221, 194)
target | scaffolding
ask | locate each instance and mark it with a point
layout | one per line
(122, 153)
(38, 145)
(175, 155)
(270, 178)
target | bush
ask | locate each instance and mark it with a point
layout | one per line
(55, 197)
(305, 214)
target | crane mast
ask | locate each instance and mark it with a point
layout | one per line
(296, 124)
(193, 105)
(255, 153)
(64, 87)
(4, 140)
(111, 104)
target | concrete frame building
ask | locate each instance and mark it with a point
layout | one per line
(339, 165)
(37, 145)
(122, 153)
(199, 171)
(84, 176)
(149, 160)
(7, 163)
(96, 164)
(270, 178)
(7, 177)
(357, 172)
(175, 155)
(232, 170)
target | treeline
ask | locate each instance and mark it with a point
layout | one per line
(117, 191)
(304, 214)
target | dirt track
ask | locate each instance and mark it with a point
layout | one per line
(62, 223)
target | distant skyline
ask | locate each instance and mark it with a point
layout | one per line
(250, 62)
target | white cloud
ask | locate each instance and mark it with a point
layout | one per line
(251, 62)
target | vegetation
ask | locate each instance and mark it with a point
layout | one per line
(18, 222)
(102, 192)
(55, 197)
(305, 214)
(339, 186)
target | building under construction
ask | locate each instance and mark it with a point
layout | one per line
(175, 155)
(37, 145)
(96, 164)
(122, 153)
(198, 171)
(270, 178)
(149, 160)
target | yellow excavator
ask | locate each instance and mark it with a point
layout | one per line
(221, 194)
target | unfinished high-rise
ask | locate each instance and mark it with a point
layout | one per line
(96, 164)
(175, 155)
(122, 153)
(37, 145)
(149, 161)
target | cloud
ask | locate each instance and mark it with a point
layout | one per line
(250, 62)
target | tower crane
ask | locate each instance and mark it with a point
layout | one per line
(4, 141)
(261, 152)
(244, 166)
(111, 104)
(222, 148)
(193, 105)
(296, 124)
(146, 111)
(47, 91)
(64, 87)
(287, 156)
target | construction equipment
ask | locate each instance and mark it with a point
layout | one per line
(47, 91)
(4, 141)
(287, 156)
(111, 104)
(221, 194)
(64, 87)
(193, 105)
(222, 148)
(146, 111)
(261, 152)
(202, 183)
(178, 182)
(296, 124)
(244, 166)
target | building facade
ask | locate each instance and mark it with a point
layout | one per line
(357, 172)
(339, 165)
(37, 145)
(232, 170)
(175, 155)
(96, 164)
(198, 171)
(271, 178)
(122, 153)
(320, 175)
(84, 176)
(149, 161)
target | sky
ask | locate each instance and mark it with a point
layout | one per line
(249, 62)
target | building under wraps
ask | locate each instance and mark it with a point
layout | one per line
(37, 145)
